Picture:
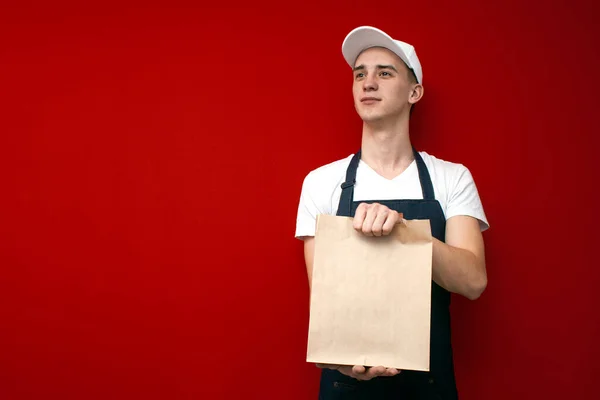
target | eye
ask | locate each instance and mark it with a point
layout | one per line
(359, 75)
(385, 73)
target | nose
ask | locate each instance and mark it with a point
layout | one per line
(370, 83)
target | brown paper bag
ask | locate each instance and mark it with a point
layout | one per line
(371, 296)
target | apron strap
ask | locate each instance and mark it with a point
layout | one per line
(424, 177)
(345, 206)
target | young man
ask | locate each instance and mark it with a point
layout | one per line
(385, 178)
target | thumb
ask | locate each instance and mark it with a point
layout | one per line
(401, 219)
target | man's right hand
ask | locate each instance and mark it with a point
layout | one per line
(361, 373)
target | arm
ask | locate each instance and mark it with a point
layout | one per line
(309, 251)
(459, 264)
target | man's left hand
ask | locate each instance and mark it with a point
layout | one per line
(361, 373)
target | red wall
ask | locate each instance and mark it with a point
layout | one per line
(151, 161)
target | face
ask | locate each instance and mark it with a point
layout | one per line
(382, 87)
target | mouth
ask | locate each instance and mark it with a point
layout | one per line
(369, 100)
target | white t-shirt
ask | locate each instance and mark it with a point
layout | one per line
(453, 187)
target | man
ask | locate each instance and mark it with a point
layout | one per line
(388, 177)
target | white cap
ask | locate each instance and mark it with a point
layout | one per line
(365, 37)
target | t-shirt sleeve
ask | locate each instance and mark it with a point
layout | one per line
(463, 198)
(309, 207)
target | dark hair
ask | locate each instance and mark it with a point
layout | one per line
(412, 76)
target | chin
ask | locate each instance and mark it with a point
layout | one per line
(371, 117)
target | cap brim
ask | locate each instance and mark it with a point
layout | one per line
(365, 37)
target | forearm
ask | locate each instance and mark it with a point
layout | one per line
(458, 270)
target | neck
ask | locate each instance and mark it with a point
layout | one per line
(386, 146)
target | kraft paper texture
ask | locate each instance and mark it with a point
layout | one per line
(371, 296)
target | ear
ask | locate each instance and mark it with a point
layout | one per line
(416, 93)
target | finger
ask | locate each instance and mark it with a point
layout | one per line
(374, 372)
(359, 215)
(365, 373)
(358, 370)
(391, 372)
(380, 220)
(353, 374)
(390, 222)
(367, 226)
(347, 370)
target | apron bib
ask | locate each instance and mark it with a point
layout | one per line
(439, 382)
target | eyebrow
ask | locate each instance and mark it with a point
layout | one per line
(361, 67)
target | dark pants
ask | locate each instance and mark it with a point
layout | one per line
(408, 385)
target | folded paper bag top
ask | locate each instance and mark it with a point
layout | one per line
(371, 296)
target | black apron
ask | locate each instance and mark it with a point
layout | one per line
(439, 382)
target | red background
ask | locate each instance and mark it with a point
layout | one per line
(152, 157)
